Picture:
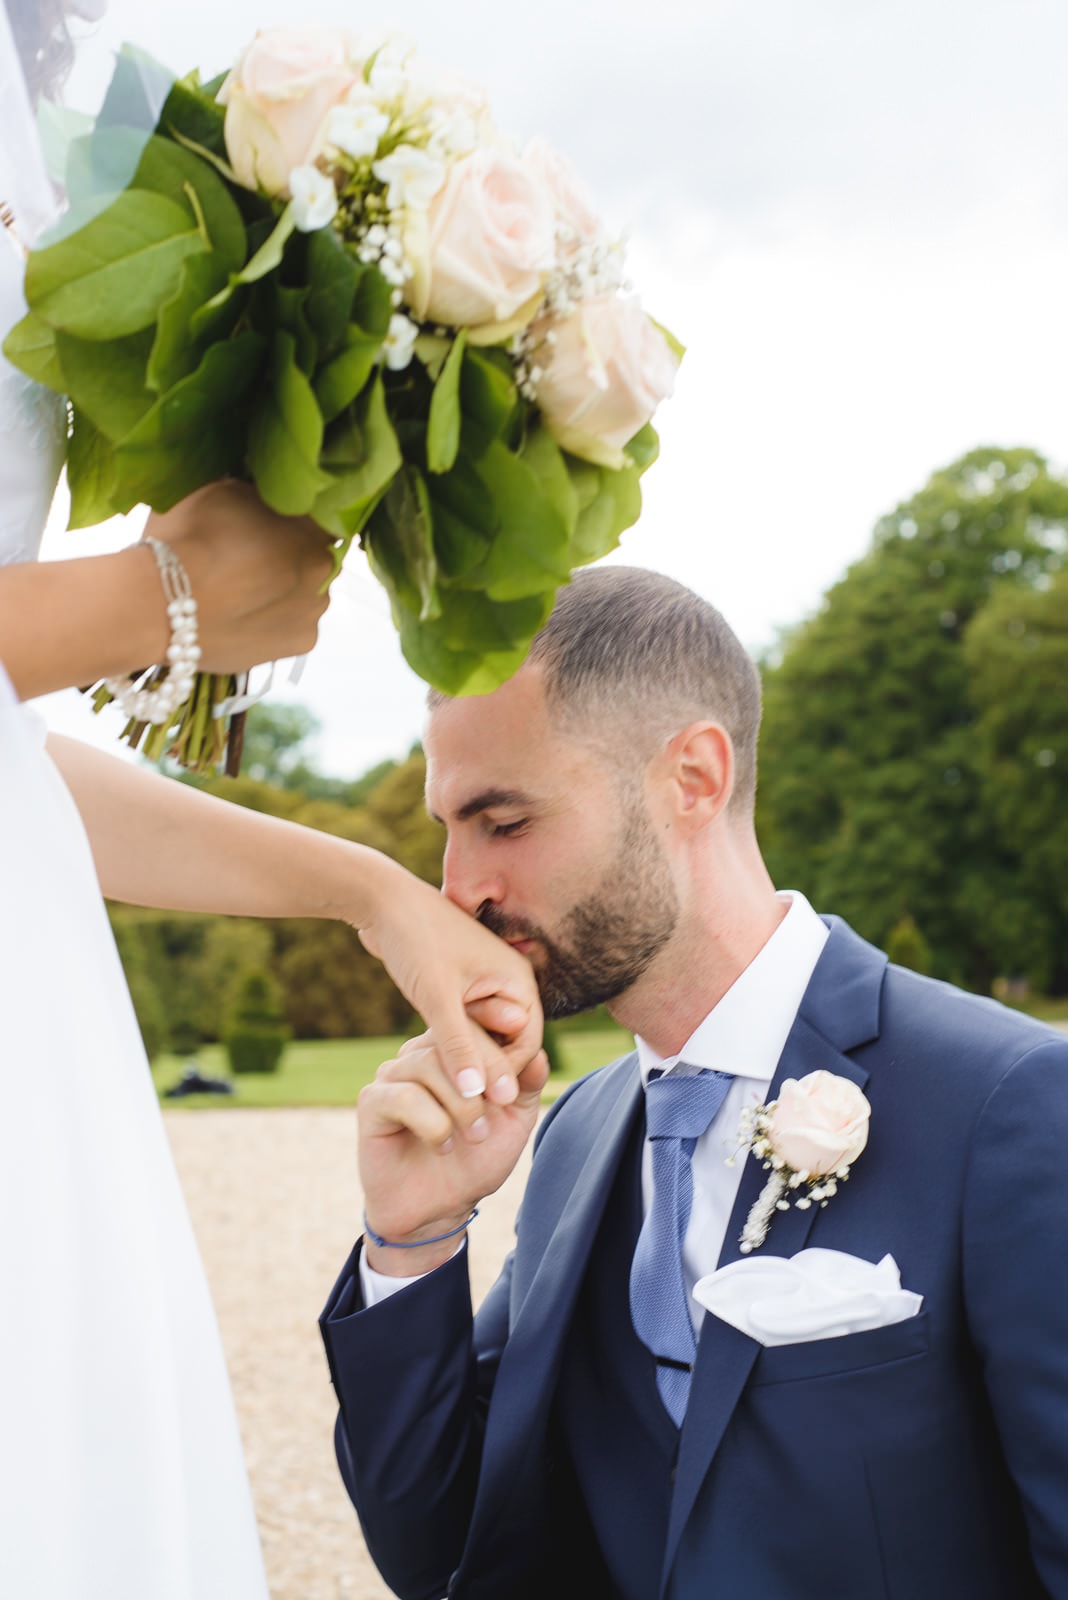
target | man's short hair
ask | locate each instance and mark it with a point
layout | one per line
(630, 657)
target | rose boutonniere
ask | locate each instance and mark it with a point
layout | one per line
(807, 1140)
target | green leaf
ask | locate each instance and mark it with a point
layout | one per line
(192, 113)
(677, 350)
(530, 551)
(31, 346)
(166, 168)
(443, 426)
(177, 350)
(90, 475)
(615, 506)
(332, 277)
(111, 277)
(399, 541)
(487, 390)
(339, 381)
(476, 644)
(270, 253)
(464, 520)
(644, 448)
(372, 304)
(432, 350)
(286, 435)
(361, 456)
(106, 381)
(195, 433)
(546, 460)
(217, 317)
(264, 261)
(279, 309)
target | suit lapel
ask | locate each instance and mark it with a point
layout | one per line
(839, 1012)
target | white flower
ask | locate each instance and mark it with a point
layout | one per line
(355, 129)
(412, 177)
(399, 343)
(394, 272)
(314, 198)
(388, 78)
(452, 134)
(808, 1137)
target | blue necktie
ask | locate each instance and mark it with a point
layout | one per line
(678, 1109)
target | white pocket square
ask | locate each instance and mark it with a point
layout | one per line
(816, 1294)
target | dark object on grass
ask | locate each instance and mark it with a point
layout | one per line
(194, 1082)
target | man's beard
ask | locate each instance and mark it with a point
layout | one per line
(607, 941)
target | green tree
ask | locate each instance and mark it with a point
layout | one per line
(231, 947)
(906, 945)
(333, 988)
(1017, 655)
(397, 805)
(144, 989)
(873, 785)
(256, 1030)
(276, 739)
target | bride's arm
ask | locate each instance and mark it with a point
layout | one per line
(161, 843)
(256, 578)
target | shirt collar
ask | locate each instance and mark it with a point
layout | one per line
(746, 1031)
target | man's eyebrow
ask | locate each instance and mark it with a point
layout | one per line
(488, 800)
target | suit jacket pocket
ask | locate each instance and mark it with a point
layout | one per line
(848, 1352)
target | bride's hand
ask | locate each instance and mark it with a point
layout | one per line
(258, 578)
(475, 993)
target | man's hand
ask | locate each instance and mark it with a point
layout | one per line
(428, 1155)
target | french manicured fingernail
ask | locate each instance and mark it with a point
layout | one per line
(445, 1146)
(478, 1130)
(470, 1083)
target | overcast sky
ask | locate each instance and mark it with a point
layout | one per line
(854, 214)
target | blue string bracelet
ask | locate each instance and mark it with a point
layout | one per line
(414, 1244)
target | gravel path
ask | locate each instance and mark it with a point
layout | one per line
(276, 1205)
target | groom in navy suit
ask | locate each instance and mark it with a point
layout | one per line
(899, 1434)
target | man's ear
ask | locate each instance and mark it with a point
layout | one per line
(700, 769)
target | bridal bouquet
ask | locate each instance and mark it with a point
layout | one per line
(330, 273)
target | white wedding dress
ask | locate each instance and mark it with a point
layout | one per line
(121, 1469)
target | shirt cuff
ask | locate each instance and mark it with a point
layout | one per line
(376, 1286)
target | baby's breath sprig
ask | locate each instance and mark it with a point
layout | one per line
(786, 1185)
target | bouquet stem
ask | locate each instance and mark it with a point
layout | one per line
(193, 735)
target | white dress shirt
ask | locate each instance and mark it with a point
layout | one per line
(743, 1034)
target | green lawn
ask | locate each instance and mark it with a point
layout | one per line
(331, 1072)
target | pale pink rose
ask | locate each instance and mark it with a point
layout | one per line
(820, 1123)
(427, 83)
(600, 378)
(278, 98)
(572, 202)
(487, 244)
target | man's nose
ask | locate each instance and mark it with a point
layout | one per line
(467, 882)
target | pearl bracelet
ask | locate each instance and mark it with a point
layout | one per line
(158, 703)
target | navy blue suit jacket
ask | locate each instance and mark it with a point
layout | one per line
(927, 1460)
